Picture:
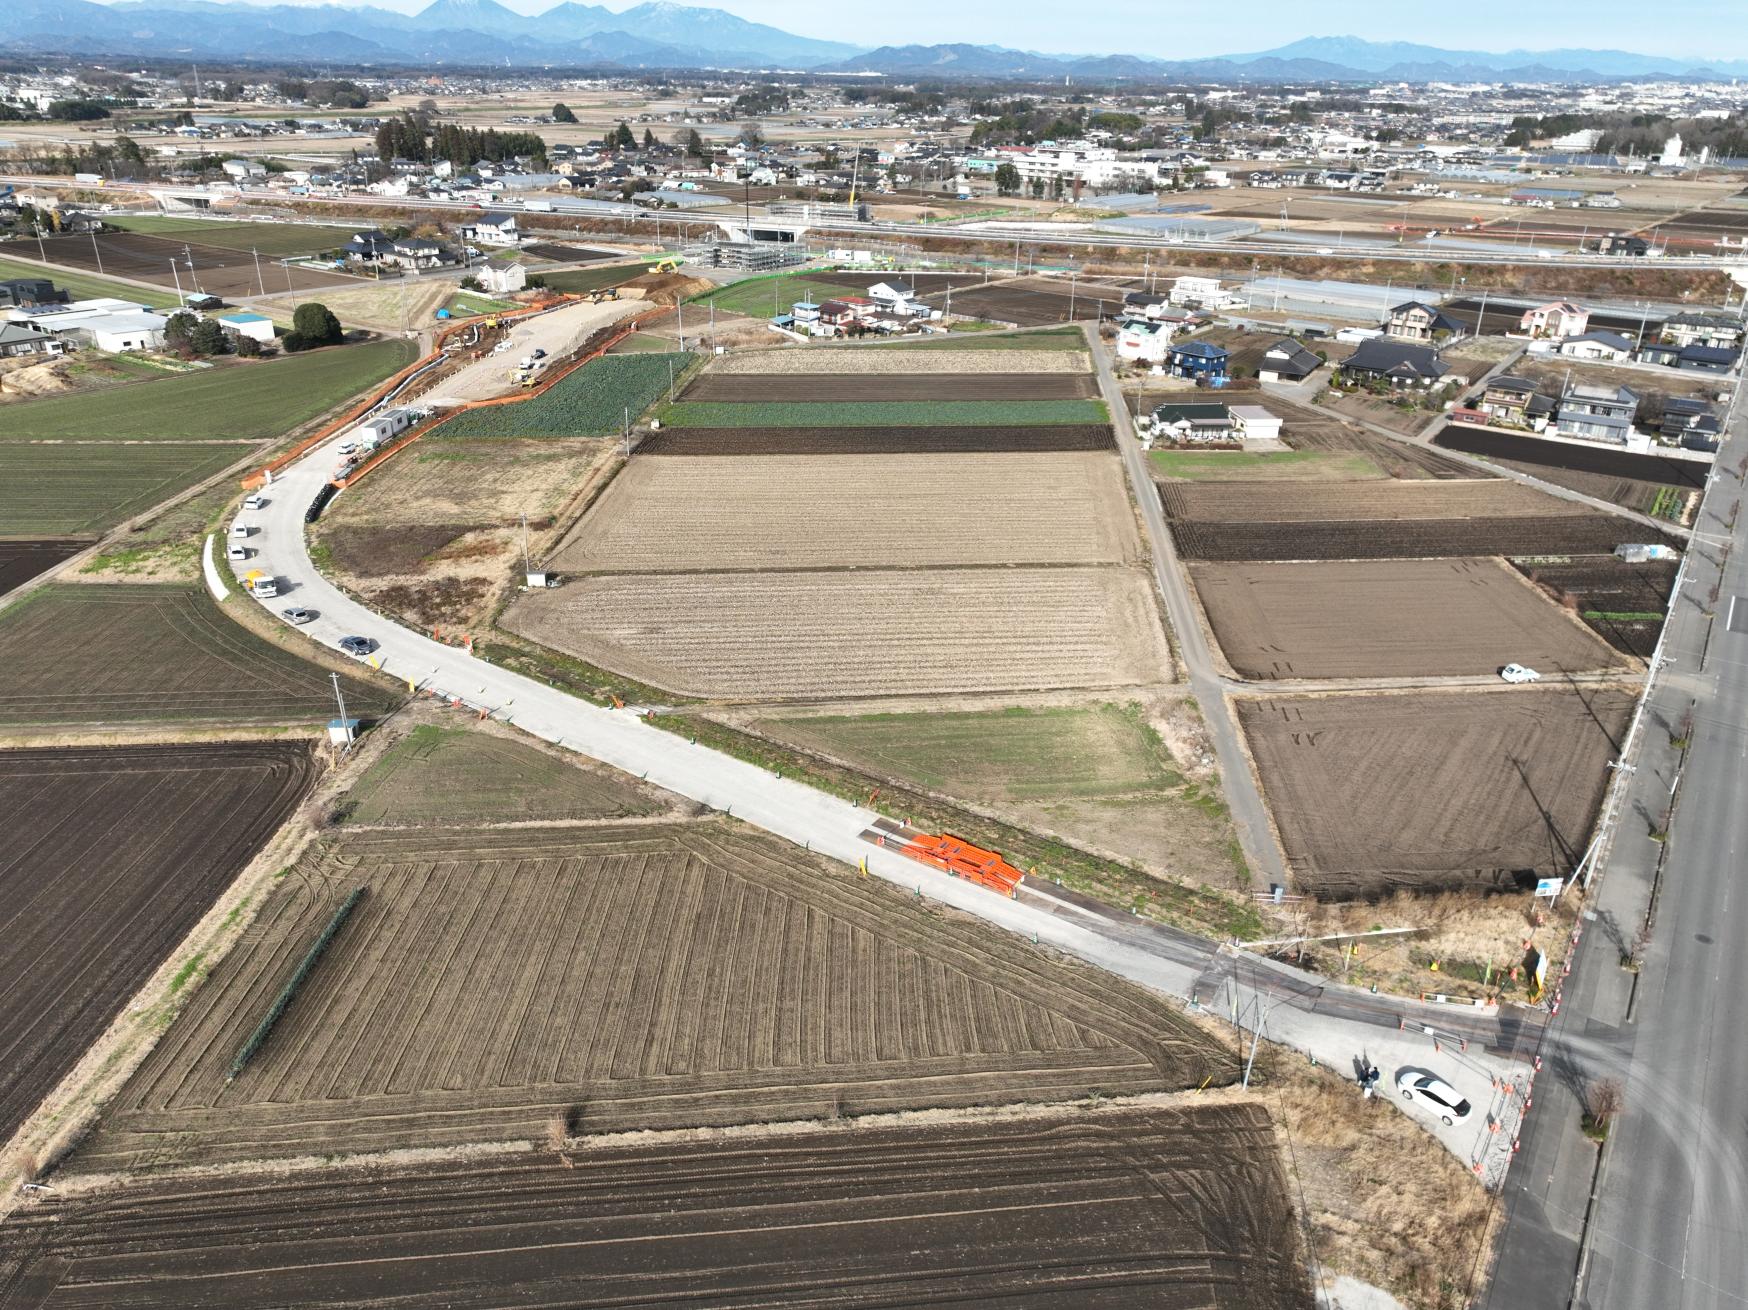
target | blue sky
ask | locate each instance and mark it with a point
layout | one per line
(1715, 29)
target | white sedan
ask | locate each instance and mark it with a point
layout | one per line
(1430, 1092)
(1518, 673)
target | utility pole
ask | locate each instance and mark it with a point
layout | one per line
(527, 564)
(258, 279)
(340, 704)
(40, 252)
(194, 277)
(178, 277)
(671, 378)
(95, 251)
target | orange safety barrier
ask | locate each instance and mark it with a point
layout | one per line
(961, 859)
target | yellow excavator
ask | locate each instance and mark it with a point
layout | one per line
(669, 265)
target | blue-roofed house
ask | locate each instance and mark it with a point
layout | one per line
(1201, 360)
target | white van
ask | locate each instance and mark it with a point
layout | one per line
(241, 530)
(238, 552)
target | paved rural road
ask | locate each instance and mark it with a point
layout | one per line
(1332, 1023)
(1669, 1223)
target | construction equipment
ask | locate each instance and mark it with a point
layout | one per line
(669, 265)
(603, 293)
(961, 859)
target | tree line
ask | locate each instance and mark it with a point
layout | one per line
(414, 138)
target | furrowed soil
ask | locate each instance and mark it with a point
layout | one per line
(617, 978)
(1687, 474)
(754, 388)
(133, 653)
(1389, 618)
(1428, 791)
(216, 270)
(861, 633)
(836, 511)
(1311, 429)
(814, 360)
(877, 440)
(1241, 521)
(107, 858)
(1106, 1208)
(1624, 603)
(20, 561)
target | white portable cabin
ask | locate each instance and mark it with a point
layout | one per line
(377, 429)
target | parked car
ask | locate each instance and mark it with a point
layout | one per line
(240, 530)
(297, 614)
(238, 552)
(1518, 673)
(540, 354)
(502, 348)
(255, 501)
(358, 647)
(1433, 1093)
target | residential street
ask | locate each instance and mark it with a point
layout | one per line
(1669, 1227)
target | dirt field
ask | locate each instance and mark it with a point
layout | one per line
(1683, 473)
(126, 653)
(486, 481)
(837, 387)
(1235, 521)
(1160, 1207)
(20, 561)
(393, 306)
(1311, 428)
(1364, 806)
(665, 515)
(861, 633)
(814, 359)
(1026, 305)
(622, 977)
(1389, 618)
(1623, 602)
(107, 858)
(878, 440)
(216, 271)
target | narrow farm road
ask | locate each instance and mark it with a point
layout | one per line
(1332, 1023)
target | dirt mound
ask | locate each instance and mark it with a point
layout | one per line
(664, 288)
(35, 380)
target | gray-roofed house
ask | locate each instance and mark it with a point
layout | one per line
(1708, 359)
(20, 291)
(1597, 414)
(1414, 320)
(1609, 346)
(1398, 363)
(1287, 361)
(20, 339)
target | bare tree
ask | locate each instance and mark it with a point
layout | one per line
(1606, 1099)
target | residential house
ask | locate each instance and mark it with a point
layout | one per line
(1287, 361)
(1678, 413)
(1255, 423)
(419, 252)
(1397, 363)
(1617, 244)
(493, 229)
(1515, 400)
(1558, 319)
(502, 281)
(804, 316)
(1145, 304)
(1658, 352)
(1179, 422)
(30, 291)
(372, 247)
(1708, 359)
(1699, 328)
(835, 316)
(1200, 292)
(1143, 339)
(20, 339)
(1704, 433)
(1416, 321)
(1201, 360)
(1591, 413)
(898, 298)
(1610, 347)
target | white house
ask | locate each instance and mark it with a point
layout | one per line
(1254, 423)
(502, 281)
(492, 230)
(1202, 292)
(122, 331)
(1144, 339)
(897, 298)
(1558, 319)
(1610, 347)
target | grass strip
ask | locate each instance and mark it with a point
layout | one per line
(1623, 616)
(87, 286)
(986, 337)
(1192, 908)
(305, 967)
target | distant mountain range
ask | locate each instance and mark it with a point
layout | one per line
(659, 34)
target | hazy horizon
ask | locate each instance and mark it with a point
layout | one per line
(1167, 30)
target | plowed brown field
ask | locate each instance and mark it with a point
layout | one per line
(1389, 618)
(620, 977)
(761, 388)
(877, 441)
(1101, 1210)
(107, 858)
(1433, 790)
(862, 633)
(829, 511)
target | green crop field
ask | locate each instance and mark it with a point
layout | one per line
(125, 653)
(460, 776)
(84, 488)
(1062, 338)
(88, 286)
(1016, 753)
(898, 413)
(465, 303)
(268, 239)
(589, 402)
(254, 400)
(761, 297)
(1281, 465)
